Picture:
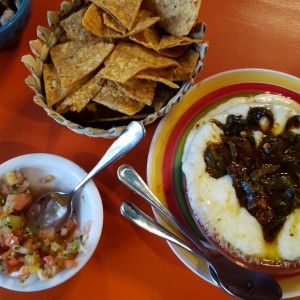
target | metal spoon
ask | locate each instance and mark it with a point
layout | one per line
(235, 280)
(140, 218)
(55, 208)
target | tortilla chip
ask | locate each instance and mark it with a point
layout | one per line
(105, 115)
(77, 100)
(149, 38)
(63, 37)
(188, 62)
(163, 94)
(103, 25)
(55, 92)
(110, 22)
(133, 78)
(160, 75)
(115, 99)
(170, 41)
(139, 89)
(76, 60)
(177, 16)
(93, 21)
(124, 11)
(74, 28)
(128, 59)
(173, 52)
(144, 19)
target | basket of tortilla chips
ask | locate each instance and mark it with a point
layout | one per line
(101, 64)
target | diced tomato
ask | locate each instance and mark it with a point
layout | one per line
(21, 201)
(12, 264)
(70, 263)
(49, 260)
(71, 226)
(19, 235)
(87, 227)
(6, 254)
(7, 238)
(47, 233)
(12, 261)
(10, 240)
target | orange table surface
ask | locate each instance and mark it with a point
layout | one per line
(130, 263)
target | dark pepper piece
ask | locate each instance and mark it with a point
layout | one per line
(292, 123)
(235, 125)
(266, 177)
(242, 150)
(263, 170)
(254, 117)
(216, 156)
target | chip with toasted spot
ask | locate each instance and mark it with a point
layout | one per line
(55, 92)
(77, 100)
(139, 89)
(160, 75)
(103, 25)
(144, 19)
(112, 23)
(162, 95)
(177, 16)
(128, 59)
(63, 38)
(170, 41)
(75, 60)
(173, 52)
(74, 28)
(124, 11)
(111, 96)
(93, 21)
(149, 38)
(188, 62)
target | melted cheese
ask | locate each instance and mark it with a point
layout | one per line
(214, 202)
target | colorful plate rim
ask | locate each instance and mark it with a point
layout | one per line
(164, 159)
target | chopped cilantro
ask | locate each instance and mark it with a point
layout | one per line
(15, 186)
(2, 201)
(7, 224)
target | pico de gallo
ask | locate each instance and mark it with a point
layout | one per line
(23, 254)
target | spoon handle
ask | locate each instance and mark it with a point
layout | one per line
(129, 138)
(138, 217)
(130, 178)
(237, 281)
(132, 213)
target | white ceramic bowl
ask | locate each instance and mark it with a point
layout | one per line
(89, 207)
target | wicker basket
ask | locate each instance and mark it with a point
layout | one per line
(48, 37)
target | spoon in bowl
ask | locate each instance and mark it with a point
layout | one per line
(140, 218)
(55, 208)
(235, 280)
